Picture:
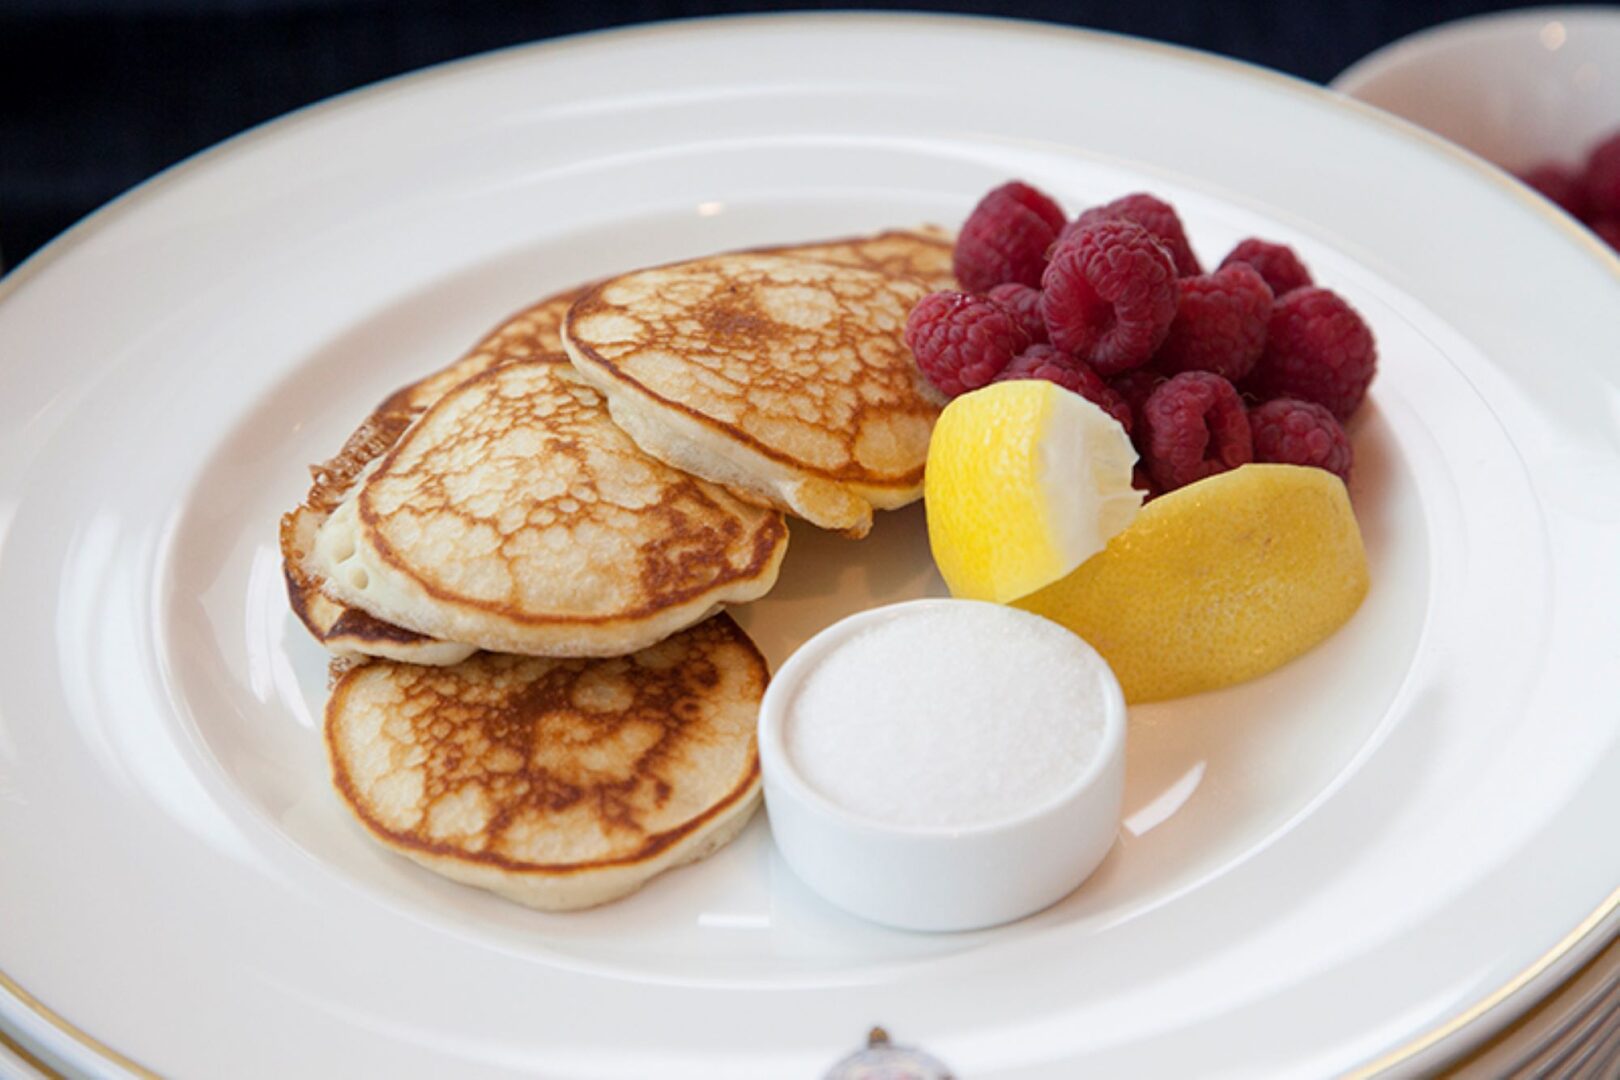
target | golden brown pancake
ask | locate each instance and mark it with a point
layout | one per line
(349, 631)
(559, 784)
(923, 253)
(783, 377)
(514, 516)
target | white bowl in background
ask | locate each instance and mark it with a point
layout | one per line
(1517, 88)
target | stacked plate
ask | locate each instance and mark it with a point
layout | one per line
(1372, 861)
(1520, 89)
(1574, 1033)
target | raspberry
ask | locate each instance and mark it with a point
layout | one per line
(1142, 481)
(1196, 427)
(1293, 432)
(1220, 325)
(1318, 349)
(1108, 295)
(1608, 230)
(1276, 263)
(1157, 217)
(1563, 186)
(1025, 305)
(1056, 366)
(1040, 202)
(1006, 237)
(1135, 386)
(961, 342)
(1602, 178)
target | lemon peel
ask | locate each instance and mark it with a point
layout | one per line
(1217, 582)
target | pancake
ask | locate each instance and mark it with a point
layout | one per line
(353, 632)
(559, 784)
(514, 516)
(782, 376)
(923, 253)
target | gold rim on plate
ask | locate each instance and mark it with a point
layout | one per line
(78, 1035)
(73, 236)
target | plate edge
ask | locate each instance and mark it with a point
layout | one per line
(104, 1053)
(1496, 1009)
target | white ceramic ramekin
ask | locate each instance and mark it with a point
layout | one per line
(932, 878)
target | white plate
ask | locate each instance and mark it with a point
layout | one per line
(1333, 867)
(1579, 1024)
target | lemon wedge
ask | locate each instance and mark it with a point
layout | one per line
(1025, 481)
(1217, 582)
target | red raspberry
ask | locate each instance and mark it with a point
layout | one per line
(961, 342)
(1006, 237)
(1142, 481)
(1108, 295)
(1025, 305)
(1608, 230)
(1196, 427)
(1602, 178)
(1040, 202)
(1293, 432)
(1563, 186)
(1056, 366)
(1157, 217)
(1135, 386)
(1220, 325)
(1318, 349)
(1276, 263)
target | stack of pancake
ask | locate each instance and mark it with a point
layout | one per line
(521, 560)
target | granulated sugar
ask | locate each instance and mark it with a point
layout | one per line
(957, 715)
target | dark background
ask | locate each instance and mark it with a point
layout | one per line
(97, 95)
